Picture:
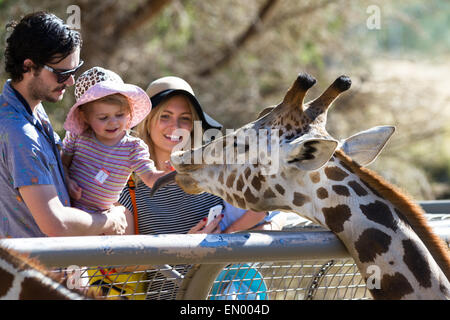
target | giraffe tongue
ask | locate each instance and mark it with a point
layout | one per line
(163, 181)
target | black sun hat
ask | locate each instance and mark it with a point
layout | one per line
(166, 87)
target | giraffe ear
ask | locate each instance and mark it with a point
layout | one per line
(365, 146)
(308, 153)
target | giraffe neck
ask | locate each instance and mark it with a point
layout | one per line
(23, 279)
(380, 228)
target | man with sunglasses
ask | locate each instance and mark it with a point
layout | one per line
(42, 55)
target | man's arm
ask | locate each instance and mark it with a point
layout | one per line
(54, 219)
(74, 189)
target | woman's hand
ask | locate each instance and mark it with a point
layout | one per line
(201, 227)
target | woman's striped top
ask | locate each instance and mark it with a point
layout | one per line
(90, 157)
(170, 210)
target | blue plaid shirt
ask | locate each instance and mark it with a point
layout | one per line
(27, 157)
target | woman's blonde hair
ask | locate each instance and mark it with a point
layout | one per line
(143, 128)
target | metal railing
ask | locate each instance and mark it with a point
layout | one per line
(303, 262)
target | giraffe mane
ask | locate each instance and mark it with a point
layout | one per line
(413, 213)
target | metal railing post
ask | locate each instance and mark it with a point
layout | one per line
(198, 281)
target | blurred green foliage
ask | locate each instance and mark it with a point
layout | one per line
(422, 26)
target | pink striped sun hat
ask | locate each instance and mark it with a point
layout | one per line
(97, 83)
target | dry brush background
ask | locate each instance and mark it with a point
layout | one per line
(241, 56)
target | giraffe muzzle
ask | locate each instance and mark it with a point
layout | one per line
(163, 181)
(186, 168)
(188, 184)
(184, 180)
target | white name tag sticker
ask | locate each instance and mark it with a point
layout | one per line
(102, 175)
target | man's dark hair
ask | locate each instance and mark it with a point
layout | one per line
(41, 37)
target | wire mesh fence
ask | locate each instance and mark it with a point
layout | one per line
(131, 282)
(300, 280)
(296, 280)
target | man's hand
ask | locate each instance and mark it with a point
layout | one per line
(117, 221)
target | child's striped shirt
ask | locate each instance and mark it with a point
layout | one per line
(102, 171)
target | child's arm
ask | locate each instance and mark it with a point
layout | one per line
(150, 177)
(248, 220)
(72, 186)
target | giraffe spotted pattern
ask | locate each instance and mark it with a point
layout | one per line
(7, 279)
(416, 262)
(335, 173)
(392, 287)
(322, 193)
(380, 213)
(359, 190)
(335, 217)
(372, 242)
(341, 190)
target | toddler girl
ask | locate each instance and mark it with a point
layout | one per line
(98, 153)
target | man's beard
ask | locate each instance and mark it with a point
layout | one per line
(39, 91)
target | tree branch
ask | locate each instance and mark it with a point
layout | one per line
(104, 26)
(140, 16)
(253, 29)
(301, 12)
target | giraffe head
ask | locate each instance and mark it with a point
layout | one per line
(287, 140)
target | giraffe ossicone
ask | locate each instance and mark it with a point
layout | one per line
(378, 224)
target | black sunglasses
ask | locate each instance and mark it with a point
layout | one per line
(62, 76)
